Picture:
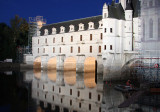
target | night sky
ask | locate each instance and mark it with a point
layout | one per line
(52, 10)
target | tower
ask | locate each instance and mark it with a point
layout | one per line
(105, 11)
(128, 27)
(123, 3)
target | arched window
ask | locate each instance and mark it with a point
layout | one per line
(158, 27)
(150, 28)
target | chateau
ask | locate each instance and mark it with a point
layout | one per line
(105, 41)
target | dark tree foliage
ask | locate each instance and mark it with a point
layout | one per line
(12, 37)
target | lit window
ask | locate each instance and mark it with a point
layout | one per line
(90, 49)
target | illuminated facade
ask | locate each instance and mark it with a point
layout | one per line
(110, 38)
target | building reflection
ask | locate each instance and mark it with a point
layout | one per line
(67, 91)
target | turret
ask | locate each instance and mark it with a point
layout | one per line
(105, 11)
(128, 26)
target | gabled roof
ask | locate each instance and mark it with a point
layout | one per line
(66, 24)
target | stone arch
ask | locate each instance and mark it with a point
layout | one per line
(37, 63)
(52, 62)
(90, 69)
(70, 64)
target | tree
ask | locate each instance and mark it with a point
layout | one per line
(20, 29)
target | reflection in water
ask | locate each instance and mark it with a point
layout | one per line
(70, 77)
(52, 63)
(52, 74)
(89, 80)
(37, 73)
(37, 63)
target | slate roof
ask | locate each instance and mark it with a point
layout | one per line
(66, 24)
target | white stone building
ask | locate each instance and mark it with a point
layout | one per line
(108, 40)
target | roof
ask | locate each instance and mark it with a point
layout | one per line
(66, 24)
(116, 11)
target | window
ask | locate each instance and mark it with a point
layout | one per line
(99, 97)
(104, 47)
(111, 30)
(38, 50)
(90, 95)
(43, 50)
(60, 50)
(99, 49)
(53, 97)
(45, 96)
(89, 106)
(62, 39)
(53, 40)
(90, 36)
(43, 87)
(38, 41)
(79, 105)
(38, 94)
(46, 41)
(99, 109)
(90, 49)
(80, 37)
(59, 90)
(53, 50)
(150, 28)
(71, 49)
(70, 91)
(110, 47)
(78, 93)
(79, 50)
(53, 88)
(71, 38)
(101, 37)
(70, 102)
(105, 30)
(61, 100)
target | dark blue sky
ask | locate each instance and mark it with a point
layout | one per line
(52, 10)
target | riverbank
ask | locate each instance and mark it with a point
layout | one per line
(8, 66)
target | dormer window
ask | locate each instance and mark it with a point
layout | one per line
(38, 33)
(62, 29)
(81, 26)
(53, 30)
(45, 32)
(100, 24)
(71, 28)
(91, 25)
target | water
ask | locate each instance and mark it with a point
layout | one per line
(52, 91)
